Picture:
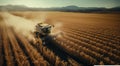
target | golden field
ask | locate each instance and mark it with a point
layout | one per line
(87, 39)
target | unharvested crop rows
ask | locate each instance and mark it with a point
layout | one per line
(98, 38)
(94, 47)
(100, 43)
(19, 55)
(13, 53)
(90, 49)
(114, 39)
(93, 38)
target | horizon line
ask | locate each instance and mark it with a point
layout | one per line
(57, 6)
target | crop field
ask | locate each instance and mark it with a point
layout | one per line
(78, 39)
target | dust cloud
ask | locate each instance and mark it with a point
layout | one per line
(26, 26)
(57, 31)
(20, 24)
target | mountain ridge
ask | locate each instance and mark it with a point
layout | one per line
(70, 8)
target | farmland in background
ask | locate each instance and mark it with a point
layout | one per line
(86, 39)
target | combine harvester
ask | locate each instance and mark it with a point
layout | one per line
(42, 31)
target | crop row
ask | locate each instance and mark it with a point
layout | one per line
(19, 55)
(1, 48)
(7, 50)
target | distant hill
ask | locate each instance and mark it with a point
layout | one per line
(70, 8)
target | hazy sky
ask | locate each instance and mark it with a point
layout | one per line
(59, 3)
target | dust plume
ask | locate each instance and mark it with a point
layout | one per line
(20, 24)
(57, 31)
